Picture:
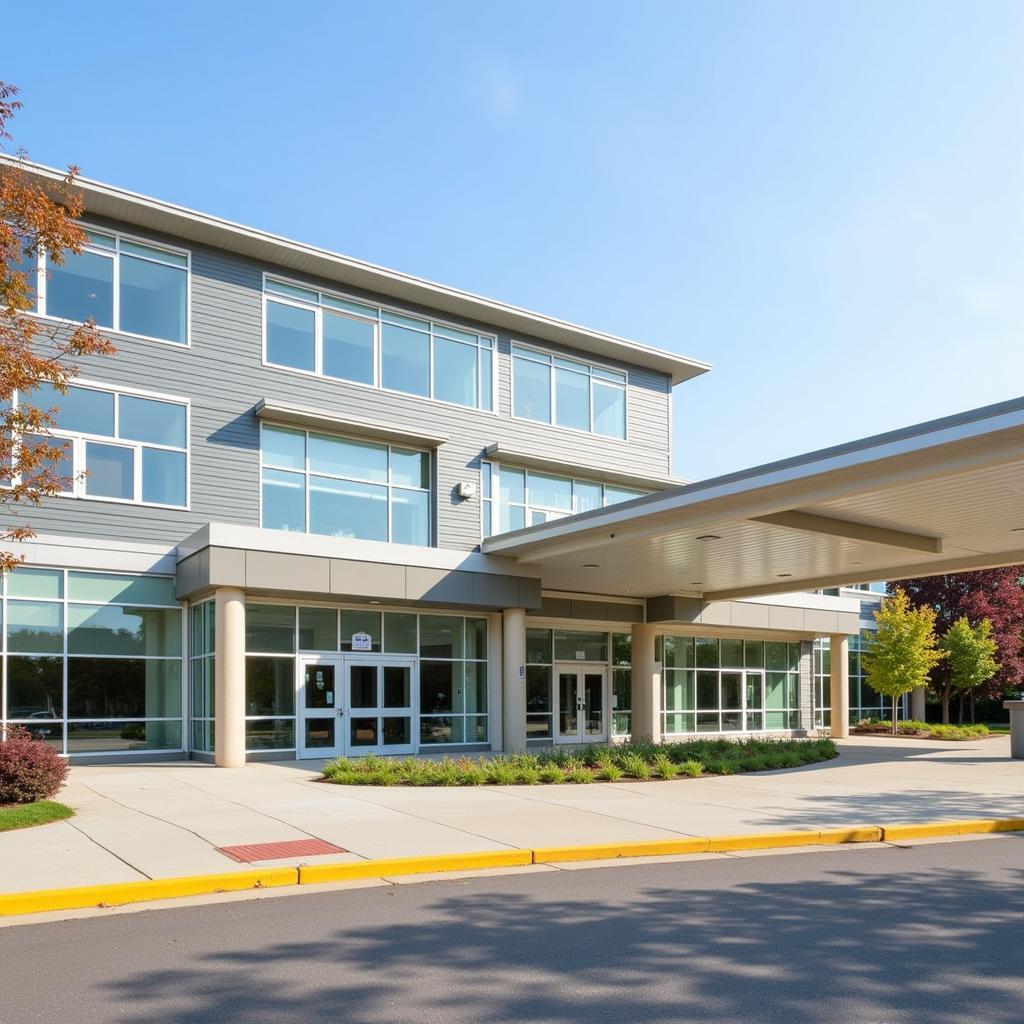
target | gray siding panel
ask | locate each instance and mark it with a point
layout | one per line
(223, 377)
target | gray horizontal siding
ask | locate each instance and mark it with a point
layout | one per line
(223, 377)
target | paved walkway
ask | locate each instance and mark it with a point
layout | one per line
(162, 820)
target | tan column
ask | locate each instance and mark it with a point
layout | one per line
(494, 698)
(645, 722)
(840, 656)
(917, 710)
(229, 727)
(513, 678)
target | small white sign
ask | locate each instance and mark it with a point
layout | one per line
(362, 642)
(581, 655)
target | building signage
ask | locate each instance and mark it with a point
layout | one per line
(362, 642)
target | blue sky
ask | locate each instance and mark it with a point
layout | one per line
(824, 200)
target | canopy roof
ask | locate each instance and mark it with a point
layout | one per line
(942, 496)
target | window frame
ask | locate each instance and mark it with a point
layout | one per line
(548, 358)
(114, 255)
(65, 602)
(492, 502)
(383, 312)
(80, 439)
(306, 472)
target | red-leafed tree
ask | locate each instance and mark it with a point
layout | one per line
(993, 594)
(35, 219)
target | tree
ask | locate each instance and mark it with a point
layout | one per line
(902, 653)
(993, 594)
(969, 658)
(35, 218)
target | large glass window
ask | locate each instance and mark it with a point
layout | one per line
(568, 393)
(121, 284)
(120, 447)
(726, 685)
(529, 497)
(453, 679)
(327, 334)
(864, 701)
(546, 646)
(93, 659)
(341, 487)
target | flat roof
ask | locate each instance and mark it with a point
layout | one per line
(157, 215)
(946, 495)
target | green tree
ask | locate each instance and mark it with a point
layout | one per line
(902, 653)
(970, 658)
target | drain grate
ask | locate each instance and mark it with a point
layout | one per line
(252, 852)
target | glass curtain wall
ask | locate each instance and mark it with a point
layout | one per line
(729, 685)
(864, 702)
(93, 661)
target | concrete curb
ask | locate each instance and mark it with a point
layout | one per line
(38, 901)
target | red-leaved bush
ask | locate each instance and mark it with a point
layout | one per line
(30, 769)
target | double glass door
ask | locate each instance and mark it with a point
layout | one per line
(581, 716)
(356, 705)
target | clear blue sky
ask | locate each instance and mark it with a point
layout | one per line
(824, 200)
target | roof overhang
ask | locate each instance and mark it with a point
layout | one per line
(942, 496)
(145, 212)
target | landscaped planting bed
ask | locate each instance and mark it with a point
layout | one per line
(921, 730)
(625, 763)
(42, 812)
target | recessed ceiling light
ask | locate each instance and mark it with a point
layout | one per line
(696, 583)
(375, 602)
(709, 536)
(590, 565)
(1017, 529)
(783, 575)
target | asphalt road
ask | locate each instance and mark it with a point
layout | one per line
(926, 934)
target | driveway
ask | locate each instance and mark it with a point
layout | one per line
(171, 819)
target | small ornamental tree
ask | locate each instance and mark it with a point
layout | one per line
(35, 218)
(970, 658)
(903, 651)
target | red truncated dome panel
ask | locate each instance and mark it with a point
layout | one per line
(278, 851)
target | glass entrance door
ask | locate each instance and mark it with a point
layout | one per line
(320, 728)
(379, 705)
(581, 714)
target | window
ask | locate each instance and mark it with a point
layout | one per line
(342, 487)
(119, 446)
(543, 648)
(93, 660)
(727, 685)
(568, 393)
(528, 497)
(864, 701)
(202, 673)
(453, 680)
(123, 284)
(331, 336)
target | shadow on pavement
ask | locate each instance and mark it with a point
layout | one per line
(843, 944)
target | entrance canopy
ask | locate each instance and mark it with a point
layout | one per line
(942, 496)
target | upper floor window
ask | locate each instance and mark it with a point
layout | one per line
(122, 284)
(332, 336)
(341, 487)
(130, 447)
(568, 393)
(512, 499)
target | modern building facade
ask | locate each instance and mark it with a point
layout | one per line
(290, 497)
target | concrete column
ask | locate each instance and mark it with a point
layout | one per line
(840, 657)
(646, 679)
(513, 678)
(917, 703)
(494, 689)
(229, 703)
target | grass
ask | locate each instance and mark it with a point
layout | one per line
(628, 762)
(14, 816)
(932, 731)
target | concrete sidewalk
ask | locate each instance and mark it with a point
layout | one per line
(167, 820)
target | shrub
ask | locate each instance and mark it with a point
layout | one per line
(499, 773)
(527, 775)
(579, 774)
(691, 769)
(552, 773)
(609, 771)
(664, 767)
(633, 764)
(957, 732)
(30, 769)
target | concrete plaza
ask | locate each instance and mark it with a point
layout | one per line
(169, 819)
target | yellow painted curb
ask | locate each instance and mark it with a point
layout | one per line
(862, 834)
(952, 828)
(612, 851)
(141, 892)
(340, 872)
(762, 841)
